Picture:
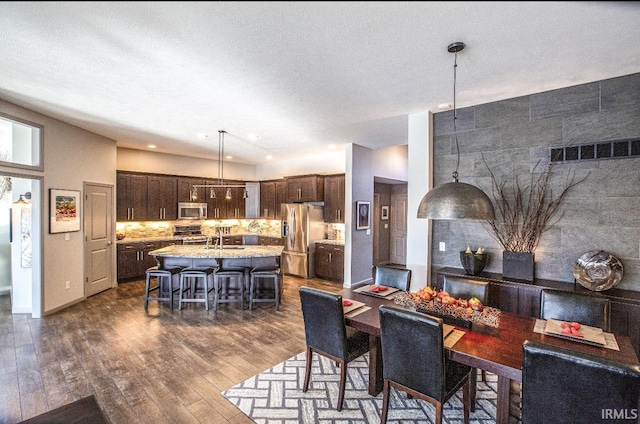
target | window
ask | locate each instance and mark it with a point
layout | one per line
(20, 144)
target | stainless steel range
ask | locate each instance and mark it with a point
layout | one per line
(190, 234)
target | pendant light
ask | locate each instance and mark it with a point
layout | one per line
(456, 200)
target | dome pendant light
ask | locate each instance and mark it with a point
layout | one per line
(456, 200)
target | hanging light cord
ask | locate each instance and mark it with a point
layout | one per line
(455, 136)
(221, 157)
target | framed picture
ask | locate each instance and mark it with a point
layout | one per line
(384, 215)
(362, 218)
(64, 210)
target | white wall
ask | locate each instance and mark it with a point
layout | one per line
(71, 157)
(162, 163)
(332, 162)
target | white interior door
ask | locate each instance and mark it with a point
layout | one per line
(99, 234)
(398, 235)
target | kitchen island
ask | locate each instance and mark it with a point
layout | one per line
(245, 256)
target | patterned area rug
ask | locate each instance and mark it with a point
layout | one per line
(275, 397)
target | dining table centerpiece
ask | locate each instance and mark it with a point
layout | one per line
(462, 312)
(524, 211)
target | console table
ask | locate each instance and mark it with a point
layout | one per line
(523, 298)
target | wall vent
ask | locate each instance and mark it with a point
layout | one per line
(597, 150)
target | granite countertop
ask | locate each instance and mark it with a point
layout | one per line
(334, 242)
(178, 238)
(200, 251)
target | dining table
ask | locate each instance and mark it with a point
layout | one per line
(494, 349)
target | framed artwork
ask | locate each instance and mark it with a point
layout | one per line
(362, 219)
(64, 210)
(384, 215)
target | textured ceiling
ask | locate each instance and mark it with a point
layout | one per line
(289, 78)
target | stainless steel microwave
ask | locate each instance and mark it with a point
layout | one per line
(191, 210)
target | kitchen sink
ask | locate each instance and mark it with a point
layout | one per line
(230, 247)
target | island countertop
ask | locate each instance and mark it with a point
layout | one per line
(228, 252)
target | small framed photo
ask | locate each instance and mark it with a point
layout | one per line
(64, 211)
(362, 218)
(384, 215)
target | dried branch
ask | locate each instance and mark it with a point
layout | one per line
(525, 212)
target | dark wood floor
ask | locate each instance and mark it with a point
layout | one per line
(144, 367)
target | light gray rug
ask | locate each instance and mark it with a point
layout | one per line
(275, 397)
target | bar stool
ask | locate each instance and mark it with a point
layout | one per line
(230, 286)
(190, 278)
(264, 274)
(164, 288)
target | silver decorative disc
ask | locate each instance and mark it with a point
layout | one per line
(598, 270)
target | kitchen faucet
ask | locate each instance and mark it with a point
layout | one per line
(220, 238)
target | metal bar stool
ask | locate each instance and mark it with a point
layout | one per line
(190, 278)
(257, 291)
(164, 288)
(230, 286)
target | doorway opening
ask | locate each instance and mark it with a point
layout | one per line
(389, 222)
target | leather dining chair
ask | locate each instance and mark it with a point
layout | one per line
(465, 288)
(565, 386)
(326, 334)
(390, 276)
(423, 371)
(589, 310)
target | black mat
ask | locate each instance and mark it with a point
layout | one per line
(82, 411)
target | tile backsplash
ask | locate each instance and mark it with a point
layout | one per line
(152, 229)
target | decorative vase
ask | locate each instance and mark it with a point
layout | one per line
(518, 265)
(473, 263)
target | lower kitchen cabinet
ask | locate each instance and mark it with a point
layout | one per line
(134, 258)
(329, 262)
(270, 241)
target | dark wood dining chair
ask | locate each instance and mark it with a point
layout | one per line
(326, 334)
(593, 311)
(392, 276)
(423, 371)
(565, 386)
(466, 288)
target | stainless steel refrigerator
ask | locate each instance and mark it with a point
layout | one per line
(302, 225)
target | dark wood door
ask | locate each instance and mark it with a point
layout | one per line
(162, 197)
(185, 190)
(131, 197)
(281, 195)
(334, 198)
(268, 199)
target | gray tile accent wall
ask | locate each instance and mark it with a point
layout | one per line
(513, 136)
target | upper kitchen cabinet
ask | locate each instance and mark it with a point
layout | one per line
(272, 195)
(334, 198)
(305, 188)
(162, 198)
(185, 190)
(219, 207)
(131, 197)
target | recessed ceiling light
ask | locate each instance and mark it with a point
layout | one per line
(444, 106)
(151, 146)
(332, 146)
(269, 157)
(228, 157)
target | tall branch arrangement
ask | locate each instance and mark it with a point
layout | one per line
(525, 211)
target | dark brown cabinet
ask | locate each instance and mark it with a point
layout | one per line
(272, 195)
(523, 298)
(334, 198)
(270, 241)
(131, 197)
(162, 198)
(219, 207)
(134, 258)
(232, 240)
(306, 188)
(186, 192)
(329, 262)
